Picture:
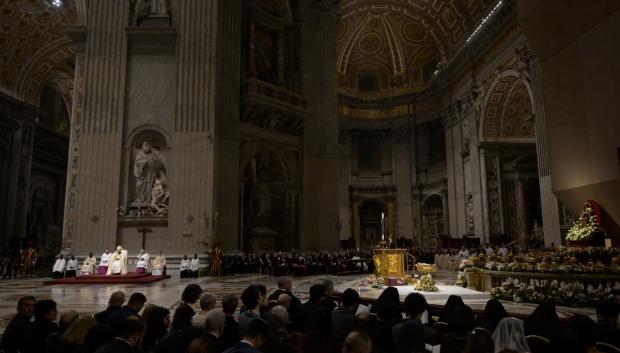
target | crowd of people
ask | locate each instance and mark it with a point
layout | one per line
(299, 263)
(279, 322)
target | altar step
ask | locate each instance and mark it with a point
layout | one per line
(129, 278)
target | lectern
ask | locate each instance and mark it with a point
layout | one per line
(390, 262)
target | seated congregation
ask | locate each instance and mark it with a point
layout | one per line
(327, 322)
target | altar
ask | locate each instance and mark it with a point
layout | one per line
(391, 261)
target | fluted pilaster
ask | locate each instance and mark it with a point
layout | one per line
(548, 201)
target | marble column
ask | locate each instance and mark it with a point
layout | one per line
(192, 214)
(90, 213)
(355, 220)
(320, 179)
(19, 179)
(391, 208)
(548, 200)
(521, 210)
(227, 179)
(401, 160)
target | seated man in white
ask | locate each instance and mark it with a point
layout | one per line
(118, 262)
(88, 266)
(193, 266)
(104, 262)
(72, 266)
(58, 271)
(185, 267)
(143, 262)
(159, 264)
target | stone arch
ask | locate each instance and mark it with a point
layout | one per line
(432, 220)
(286, 158)
(370, 220)
(508, 113)
(53, 57)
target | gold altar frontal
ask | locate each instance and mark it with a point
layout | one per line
(391, 261)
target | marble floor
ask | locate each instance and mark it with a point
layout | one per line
(89, 299)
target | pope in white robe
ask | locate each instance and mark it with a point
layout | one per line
(143, 262)
(118, 262)
(159, 263)
(88, 266)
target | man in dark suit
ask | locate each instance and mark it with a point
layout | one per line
(343, 317)
(253, 340)
(128, 338)
(285, 286)
(15, 329)
(305, 310)
(209, 341)
(605, 329)
(33, 337)
(230, 336)
(132, 309)
(116, 301)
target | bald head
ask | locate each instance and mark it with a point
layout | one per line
(215, 320)
(357, 342)
(117, 298)
(284, 300)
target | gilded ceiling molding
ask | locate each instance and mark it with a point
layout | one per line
(34, 73)
(344, 57)
(395, 50)
(508, 110)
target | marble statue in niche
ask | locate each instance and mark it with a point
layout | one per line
(466, 132)
(149, 171)
(470, 213)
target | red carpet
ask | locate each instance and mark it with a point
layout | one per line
(129, 278)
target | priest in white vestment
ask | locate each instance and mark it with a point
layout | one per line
(159, 264)
(143, 262)
(118, 262)
(58, 271)
(72, 266)
(193, 266)
(104, 262)
(185, 267)
(88, 266)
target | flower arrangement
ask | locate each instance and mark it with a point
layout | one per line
(461, 279)
(376, 281)
(585, 226)
(426, 284)
(592, 260)
(562, 293)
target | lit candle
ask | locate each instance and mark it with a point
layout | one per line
(382, 216)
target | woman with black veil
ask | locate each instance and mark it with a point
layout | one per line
(543, 321)
(387, 309)
(494, 312)
(453, 302)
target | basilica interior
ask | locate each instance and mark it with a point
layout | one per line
(350, 149)
(279, 125)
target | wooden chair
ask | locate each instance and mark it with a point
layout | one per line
(606, 347)
(538, 344)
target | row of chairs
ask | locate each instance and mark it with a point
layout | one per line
(537, 344)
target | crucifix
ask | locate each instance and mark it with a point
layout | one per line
(144, 231)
